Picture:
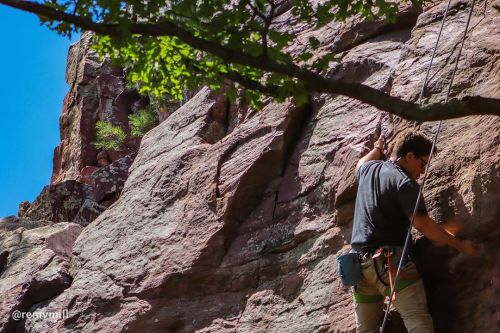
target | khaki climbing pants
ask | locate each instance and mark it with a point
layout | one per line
(410, 299)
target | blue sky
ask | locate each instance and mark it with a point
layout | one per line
(32, 88)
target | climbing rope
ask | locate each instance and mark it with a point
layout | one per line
(424, 85)
(419, 197)
(433, 54)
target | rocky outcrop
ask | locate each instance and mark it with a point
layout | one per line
(86, 180)
(33, 269)
(98, 91)
(10, 223)
(77, 201)
(233, 222)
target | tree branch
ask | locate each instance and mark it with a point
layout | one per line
(265, 30)
(252, 84)
(475, 105)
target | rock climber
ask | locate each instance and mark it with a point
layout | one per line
(385, 201)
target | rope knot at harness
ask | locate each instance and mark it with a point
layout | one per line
(388, 253)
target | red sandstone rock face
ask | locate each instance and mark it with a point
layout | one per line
(80, 201)
(234, 223)
(35, 268)
(98, 92)
(81, 188)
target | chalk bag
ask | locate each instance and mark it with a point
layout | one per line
(349, 269)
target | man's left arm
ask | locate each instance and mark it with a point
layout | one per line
(435, 232)
(375, 154)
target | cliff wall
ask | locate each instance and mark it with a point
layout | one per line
(232, 221)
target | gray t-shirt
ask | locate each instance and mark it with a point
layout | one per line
(386, 198)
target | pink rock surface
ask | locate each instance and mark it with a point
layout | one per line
(86, 173)
(232, 221)
(35, 269)
(80, 201)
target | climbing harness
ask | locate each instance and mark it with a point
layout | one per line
(384, 259)
(387, 255)
(419, 197)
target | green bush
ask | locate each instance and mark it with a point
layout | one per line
(109, 136)
(142, 121)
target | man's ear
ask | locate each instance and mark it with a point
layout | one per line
(410, 156)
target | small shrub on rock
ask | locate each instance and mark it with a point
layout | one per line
(109, 136)
(142, 121)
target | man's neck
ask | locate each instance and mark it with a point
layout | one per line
(401, 163)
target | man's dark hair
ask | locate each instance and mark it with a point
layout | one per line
(412, 141)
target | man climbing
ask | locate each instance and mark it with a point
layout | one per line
(386, 198)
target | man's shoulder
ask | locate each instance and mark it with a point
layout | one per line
(370, 163)
(366, 166)
(394, 176)
(395, 170)
(399, 176)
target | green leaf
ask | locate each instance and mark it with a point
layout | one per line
(314, 42)
(324, 62)
(305, 56)
(232, 94)
(281, 39)
(301, 99)
(324, 14)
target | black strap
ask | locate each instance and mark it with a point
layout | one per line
(378, 274)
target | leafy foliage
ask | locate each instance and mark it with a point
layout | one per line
(165, 64)
(142, 121)
(171, 47)
(109, 136)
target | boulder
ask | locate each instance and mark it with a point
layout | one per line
(62, 201)
(86, 173)
(33, 268)
(109, 180)
(10, 223)
(80, 201)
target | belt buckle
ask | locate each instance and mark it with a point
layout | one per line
(378, 252)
